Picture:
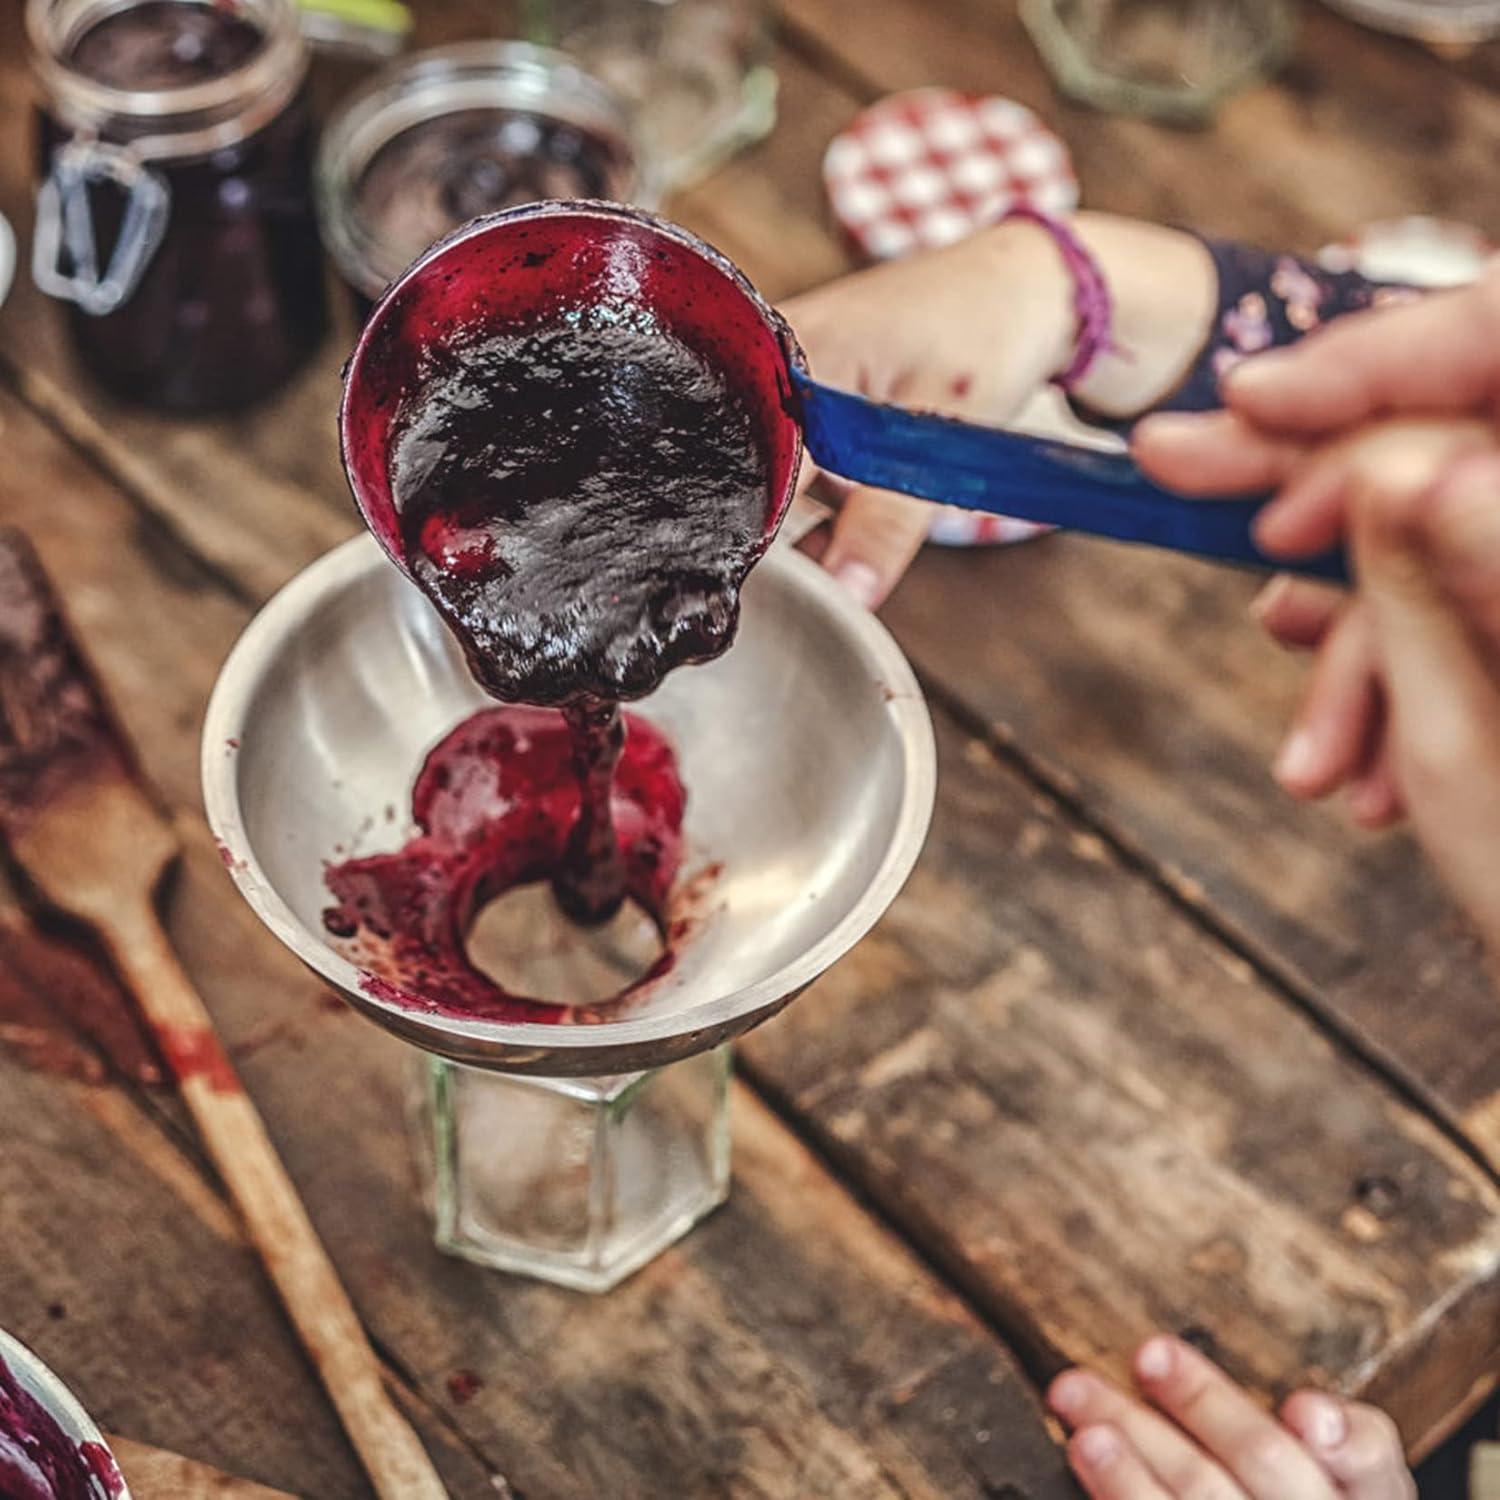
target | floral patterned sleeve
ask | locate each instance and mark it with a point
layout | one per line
(1266, 299)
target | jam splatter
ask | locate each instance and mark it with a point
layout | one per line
(195, 1052)
(58, 1010)
(463, 1386)
(496, 805)
(39, 1461)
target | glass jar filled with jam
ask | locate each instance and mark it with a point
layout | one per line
(441, 137)
(175, 215)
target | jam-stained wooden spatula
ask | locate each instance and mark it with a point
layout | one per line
(93, 845)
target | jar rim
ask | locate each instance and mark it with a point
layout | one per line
(428, 85)
(191, 120)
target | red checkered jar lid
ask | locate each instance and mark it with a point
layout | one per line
(925, 168)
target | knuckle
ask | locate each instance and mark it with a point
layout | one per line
(1440, 757)
(1262, 1459)
(1376, 1440)
(1205, 1484)
(1191, 1389)
(1195, 1477)
(1389, 495)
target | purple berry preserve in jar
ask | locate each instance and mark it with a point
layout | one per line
(175, 216)
(438, 138)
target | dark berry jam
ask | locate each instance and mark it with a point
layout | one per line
(232, 300)
(165, 44)
(582, 503)
(39, 1461)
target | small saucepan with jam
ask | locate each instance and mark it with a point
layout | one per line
(50, 1448)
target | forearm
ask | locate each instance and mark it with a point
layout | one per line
(1165, 292)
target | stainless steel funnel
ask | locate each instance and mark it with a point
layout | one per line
(806, 750)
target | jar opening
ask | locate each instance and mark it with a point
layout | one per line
(163, 44)
(171, 78)
(444, 136)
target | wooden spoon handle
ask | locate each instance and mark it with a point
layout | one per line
(236, 1140)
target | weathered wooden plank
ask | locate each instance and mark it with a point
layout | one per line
(155, 1474)
(1158, 705)
(256, 535)
(790, 1346)
(1101, 1124)
(1145, 1069)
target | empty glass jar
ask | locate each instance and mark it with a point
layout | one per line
(1175, 60)
(175, 215)
(443, 136)
(698, 73)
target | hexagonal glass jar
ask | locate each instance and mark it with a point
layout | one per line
(574, 1181)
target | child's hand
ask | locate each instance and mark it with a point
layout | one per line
(974, 331)
(1192, 1434)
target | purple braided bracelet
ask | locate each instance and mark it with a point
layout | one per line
(1092, 301)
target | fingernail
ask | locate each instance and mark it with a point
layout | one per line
(1155, 1360)
(1252, 373)
(1269, 597)
(861, 580)
(1069, 1393)
(1366, 801)
(1297, 759)
(1097, 1446)
(1156, 424)
(1327, 1426)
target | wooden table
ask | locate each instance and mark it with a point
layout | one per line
(1143, 1044)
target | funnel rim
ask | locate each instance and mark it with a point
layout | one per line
(255, 655)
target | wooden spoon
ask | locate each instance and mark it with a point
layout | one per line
(89, 840)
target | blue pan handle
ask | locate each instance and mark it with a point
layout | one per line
(1030, 478)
